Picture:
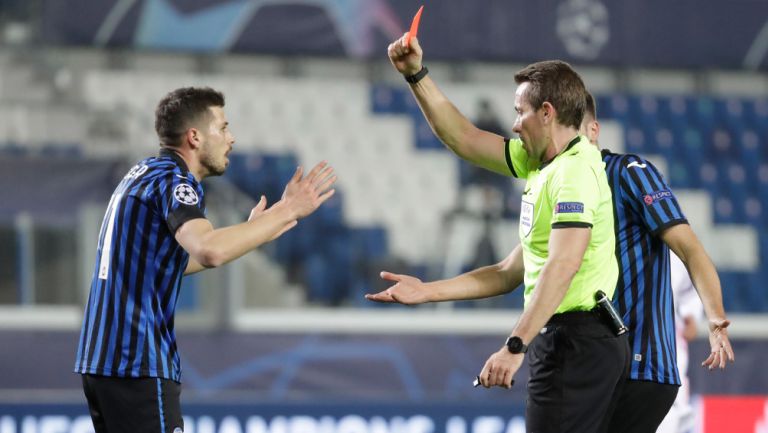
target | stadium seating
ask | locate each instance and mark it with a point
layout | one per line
(397, 183)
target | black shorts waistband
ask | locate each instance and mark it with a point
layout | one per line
(572, 317)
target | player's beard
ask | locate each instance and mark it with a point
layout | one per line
(215, 166)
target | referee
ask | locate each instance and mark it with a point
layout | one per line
(649, 221)
(567, 244)
(154, 231)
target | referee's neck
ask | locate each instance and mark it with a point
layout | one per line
(561, 136)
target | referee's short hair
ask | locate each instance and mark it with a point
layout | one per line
(180, 109)
(556, 82)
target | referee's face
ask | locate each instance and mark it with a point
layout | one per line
(528, 124)
(217, 143)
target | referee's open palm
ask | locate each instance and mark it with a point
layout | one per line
(407, 290)
(305, 194)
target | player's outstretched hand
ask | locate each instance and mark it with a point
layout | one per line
(261, 209)
(721, 350)
(406, 59)
(305, 194)
(407, 290)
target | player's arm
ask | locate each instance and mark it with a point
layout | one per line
(683, 241)
(647, 194)
(485, 282)
(193, 267)
(211, 247)
(477, 146)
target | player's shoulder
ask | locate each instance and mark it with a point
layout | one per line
(627, 163)
(156, 174)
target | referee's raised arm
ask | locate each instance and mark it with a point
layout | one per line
(477, 146)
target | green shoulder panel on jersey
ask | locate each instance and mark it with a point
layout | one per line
(571, 191)
(517, 158)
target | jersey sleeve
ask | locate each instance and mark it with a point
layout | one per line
(517, 157)
(574, 194)
(646, 192)
(179, 200)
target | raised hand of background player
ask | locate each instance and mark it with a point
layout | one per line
(260, 209)
(305, 195)
(500, 368)
(407, 290)
(721, 350)
(406, 59)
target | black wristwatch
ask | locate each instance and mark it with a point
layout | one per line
(415, 78)
(516, 345)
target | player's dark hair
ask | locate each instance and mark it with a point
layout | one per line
(181, 109)
(591, 108)
(554, 81)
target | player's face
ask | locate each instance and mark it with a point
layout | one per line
(217, 143)
(528, 124)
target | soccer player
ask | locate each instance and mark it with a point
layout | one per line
(154, 231)
(649, 222)
(567, 244)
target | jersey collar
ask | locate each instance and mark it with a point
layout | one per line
(567, 148)
(166, 151)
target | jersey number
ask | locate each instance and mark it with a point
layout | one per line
(106, 247)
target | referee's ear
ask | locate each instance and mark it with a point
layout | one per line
(548, 112)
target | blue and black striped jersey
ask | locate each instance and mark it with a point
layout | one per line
(644, 206)
(128, 325)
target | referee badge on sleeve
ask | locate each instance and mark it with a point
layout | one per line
(185, 194)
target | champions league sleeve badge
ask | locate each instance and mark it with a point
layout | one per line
(185, 194)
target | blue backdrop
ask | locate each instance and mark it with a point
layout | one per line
(681, 33)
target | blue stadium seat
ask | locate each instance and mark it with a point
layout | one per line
(617, 107)
(604, 107)
(674, 111)
(679, 177)
(635, 140)
(756, 114)
(757, 296)
(735, 291)
(754, 212)
(387, 99)
(725, 210)
(370, 242)
(189, 296)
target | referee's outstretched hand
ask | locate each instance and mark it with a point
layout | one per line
(304, 194)
(407, 290)
(406, 59)
(721, 350)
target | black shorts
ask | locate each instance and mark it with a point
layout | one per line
(576, 364)
(642, 406)
(131, 405)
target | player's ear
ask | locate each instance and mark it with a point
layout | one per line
(193, 137)
(594, 128)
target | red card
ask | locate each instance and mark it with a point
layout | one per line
(414, 27)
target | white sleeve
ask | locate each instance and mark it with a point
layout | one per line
(687, 302)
